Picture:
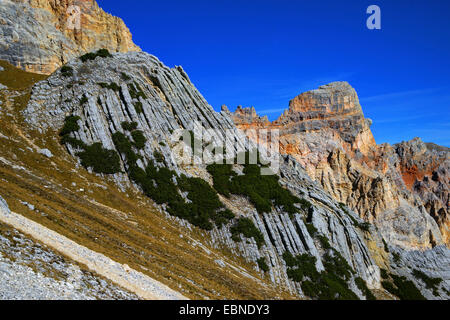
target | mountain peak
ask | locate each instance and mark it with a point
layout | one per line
(40, 36)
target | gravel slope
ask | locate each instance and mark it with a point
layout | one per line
(31, 271)
(138, 283)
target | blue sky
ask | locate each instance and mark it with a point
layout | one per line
(264, 53)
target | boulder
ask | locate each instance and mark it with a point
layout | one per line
(4, 206)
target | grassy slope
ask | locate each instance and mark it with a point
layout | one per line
(125, 226)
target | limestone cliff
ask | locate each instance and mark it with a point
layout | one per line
(39, 35)
(119, 112)
(169, 102)
(391, 186)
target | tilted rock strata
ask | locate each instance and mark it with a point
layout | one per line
(325, 130)
(35, 35)
(174, 103)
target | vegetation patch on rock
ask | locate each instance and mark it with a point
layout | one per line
(101, 160)
(103, 53)
(401, 287)
(246, 227)
(331, 284)
(263, 191)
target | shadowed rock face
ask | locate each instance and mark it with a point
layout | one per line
(392, 186)
(34, 34)
(425, 169)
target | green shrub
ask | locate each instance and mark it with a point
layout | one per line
(431, 283)
(124, 146)
(70, 125)
(222, 217)
(158, 157)
(361, 284)
(264, 192)
(301, 266)
(328, 285)
(365, 226)
(389, 286)
(221, 174)
(112, 86)
(246, 227)
(406, 289)
(67, 71)
(103, 53)
(396, 257)
(384, 273)
(88, 56)
(83, 100)
(386, 247)
(336, 264)
(139, 139)
(403, 288)
(324, 242)
(262, 264)
(138, 107)
(129, 126)
(204, 207)
(204, 201)
(136, 91)
(311, 229)
(124, 76)
(100, 159)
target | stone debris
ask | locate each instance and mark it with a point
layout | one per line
(46, 153)
(133, 281)
(32, 271)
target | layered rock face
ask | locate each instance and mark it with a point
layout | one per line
(334, 107)
(41, 35)
(248, 117)
(426, 172)
(326, 131)
(172, 102)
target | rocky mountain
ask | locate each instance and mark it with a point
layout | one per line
(92, 153)
(403, 189)
(40, 36)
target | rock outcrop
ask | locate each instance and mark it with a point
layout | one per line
(391, 186)
(425, 169)
(170, 102)
(40, 35)
(324, 136)
(4, 206)
(248, 117)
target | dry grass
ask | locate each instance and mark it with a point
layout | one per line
(124, 226)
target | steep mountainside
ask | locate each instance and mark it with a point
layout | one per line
(39, 36)
(103, 95)
(396, 187)
(90, 152)
(89, 102)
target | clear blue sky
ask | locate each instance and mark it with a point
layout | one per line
(264, 53)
